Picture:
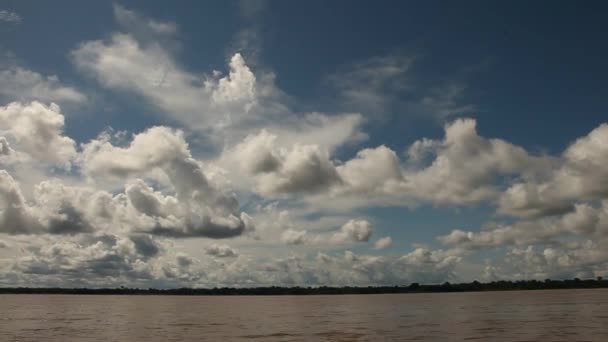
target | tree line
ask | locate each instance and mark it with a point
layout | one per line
(324, 290)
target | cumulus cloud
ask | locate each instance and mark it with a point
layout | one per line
(277, 169)
(115, 260)
(15, 215)
(275, 225)
(220, 251)
(55, 208)
(146, 246)
(108, 256)
(37, 130)
(582, 259)
(433, 259)
(188, 214)
(61, 209)
(351, 268)
(295, 226)
(155, 147)
(304, 168)
(20, 84)
(461, 169)
(580, 175)
(558, 209)
(343, 269)
(293, 237)
(93, 261)
(200, 205)
(184, 260)
(584, 220)
(257, 153)
(372, 170)
(466, 165)
(70, 209)
(383, 243)
(355, 230)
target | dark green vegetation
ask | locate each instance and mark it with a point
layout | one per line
(324, 290)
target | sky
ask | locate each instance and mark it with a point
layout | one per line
(256, 143)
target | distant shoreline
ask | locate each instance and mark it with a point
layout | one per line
(325, 290)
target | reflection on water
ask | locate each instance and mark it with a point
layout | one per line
(558, 315)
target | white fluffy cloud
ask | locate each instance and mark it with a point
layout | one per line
(350, 269)
(156, 147)
(373, 170)
(582, 259)
(383, 243)
(114, 260)
(196, 204)
(285, 169)
(60, 209)
(15, 214)
(302, 168)
(463, 168)
(465, 165)
(97, 261)
(54, 209)
(433, 259)
(354, 230)
(294, 227)
(581, 175)
(584, 220)
(558, 210)
(200, 205)
(37, 130)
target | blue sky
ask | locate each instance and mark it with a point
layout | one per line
(467, 138)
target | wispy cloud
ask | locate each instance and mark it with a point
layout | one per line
(9, 17)
(384, 85)
(22, 84)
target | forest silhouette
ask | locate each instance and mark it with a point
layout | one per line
(547, 284)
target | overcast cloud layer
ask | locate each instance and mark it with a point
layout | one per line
(235, 184)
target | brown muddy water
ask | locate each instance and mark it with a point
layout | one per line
(552, 315)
